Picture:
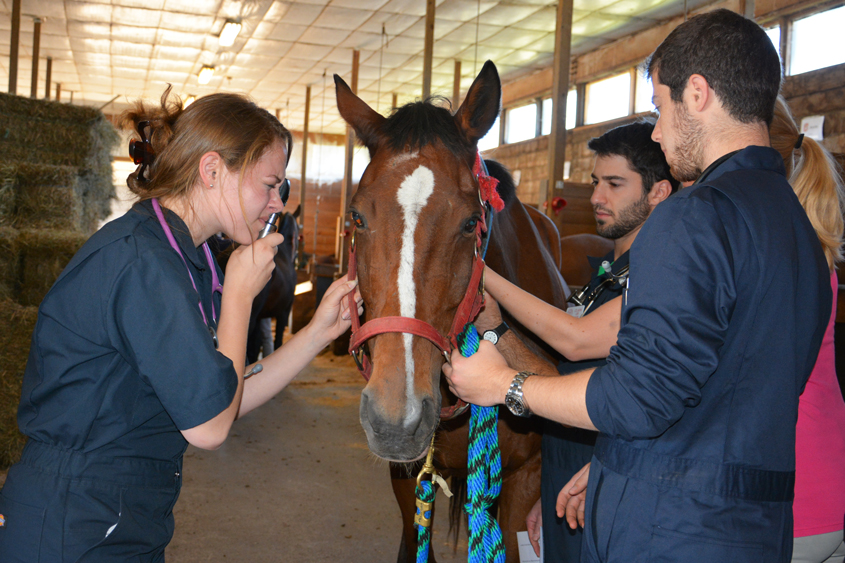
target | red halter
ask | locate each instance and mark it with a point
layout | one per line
(467, 310)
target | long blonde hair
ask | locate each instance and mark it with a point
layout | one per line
(816, 179)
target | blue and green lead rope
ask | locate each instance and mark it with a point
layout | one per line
(425, 493)
(484, 480)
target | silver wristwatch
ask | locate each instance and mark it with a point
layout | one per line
(514, 399)
(495, 334)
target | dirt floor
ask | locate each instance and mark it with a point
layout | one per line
(296, 482)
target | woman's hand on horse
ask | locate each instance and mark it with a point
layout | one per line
(250, 266)
(481, 379)
(490, 316)
(573, 497)
(534, 524)
(332, 317)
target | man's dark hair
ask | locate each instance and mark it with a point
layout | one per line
(644, 156)
(732, 53)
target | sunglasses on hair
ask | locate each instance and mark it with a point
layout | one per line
(284, 191)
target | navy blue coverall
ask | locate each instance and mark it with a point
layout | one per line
(565, 449)
(121, 361)
(727, 301)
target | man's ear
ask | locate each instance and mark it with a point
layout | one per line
(699, 93)
(659, 192)
(210, 164)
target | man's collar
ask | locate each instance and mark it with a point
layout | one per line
(177, 227)
(761, 158)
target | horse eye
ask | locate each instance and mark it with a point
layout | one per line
(470, 225)
(358, 220)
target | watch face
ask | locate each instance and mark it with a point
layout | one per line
(514, 406)
(491, 336)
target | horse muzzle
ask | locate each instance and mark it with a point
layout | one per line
(400, 439)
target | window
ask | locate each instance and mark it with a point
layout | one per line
(774, 35)
(491, 139)
(816, 42)
(608, 99)
(643, 93)
(522, 123)
(571, 108)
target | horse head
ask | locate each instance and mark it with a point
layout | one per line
(416, 216)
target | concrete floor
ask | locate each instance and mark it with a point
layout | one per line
(296, 482)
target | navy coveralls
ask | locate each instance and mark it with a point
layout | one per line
(566, 450)
(727, 301)
(121, 361)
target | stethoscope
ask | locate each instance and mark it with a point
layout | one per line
(215, 281)
(582, 299)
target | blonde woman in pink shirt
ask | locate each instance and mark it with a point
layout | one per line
(819, 506)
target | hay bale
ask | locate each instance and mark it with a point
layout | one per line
(18, 323)
(45, 196)
(44, 254)
(51, 133)
(9, 263)
(7, 199)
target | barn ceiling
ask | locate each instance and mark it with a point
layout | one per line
(108, 52)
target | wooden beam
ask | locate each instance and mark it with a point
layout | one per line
(49, 78)
(456, 87)
(14, 46)
(36, 53)
(428, 54)
(341, 251)
(303, 176)
(560, 86)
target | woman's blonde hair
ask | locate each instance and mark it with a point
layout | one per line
(228, 124)
(815, 177)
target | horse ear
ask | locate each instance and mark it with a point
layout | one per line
(481, 106)
(297, 211)
(366, 122)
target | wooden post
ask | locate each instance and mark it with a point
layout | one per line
(428, 54)
(342, 253)
(58, 91)
(36, 49)
(395, 100)
(456, 88)
(14, 46)
(49, 78)
(304, 169)
(560, 86)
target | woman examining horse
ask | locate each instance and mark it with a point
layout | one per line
(138, 352)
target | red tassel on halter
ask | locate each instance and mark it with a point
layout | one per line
(487, 185)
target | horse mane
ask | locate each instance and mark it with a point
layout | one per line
(506, 187)
(419, 124)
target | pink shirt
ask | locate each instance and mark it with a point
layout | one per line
(819, 506)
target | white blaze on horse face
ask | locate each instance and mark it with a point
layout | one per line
(412, 196)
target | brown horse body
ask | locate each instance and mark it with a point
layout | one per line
(415, 213)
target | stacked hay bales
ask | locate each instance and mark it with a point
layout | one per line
(55, 188)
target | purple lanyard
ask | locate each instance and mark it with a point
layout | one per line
(215, 281)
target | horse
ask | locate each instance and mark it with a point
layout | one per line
(575, 249)
(416, 216)
(276, 298)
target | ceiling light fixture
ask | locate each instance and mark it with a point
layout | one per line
(205, 74)
(229, 32)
